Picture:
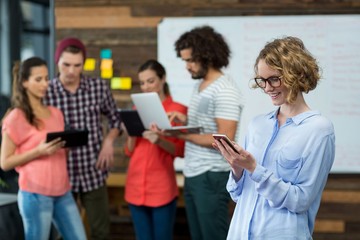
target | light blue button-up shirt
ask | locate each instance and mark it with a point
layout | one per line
(280, 199)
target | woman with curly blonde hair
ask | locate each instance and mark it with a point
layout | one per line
(279, 174)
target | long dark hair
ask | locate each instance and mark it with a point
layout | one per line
(159, 69)
(20, 99)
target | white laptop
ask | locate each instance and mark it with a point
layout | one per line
(151, 110)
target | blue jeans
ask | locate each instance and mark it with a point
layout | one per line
(38, 211)
(154, 223)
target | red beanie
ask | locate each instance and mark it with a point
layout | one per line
(66, 42)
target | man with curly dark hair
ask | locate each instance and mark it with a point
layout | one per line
(216, 105)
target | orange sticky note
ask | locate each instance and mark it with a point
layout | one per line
(89, 64)
(106, 64)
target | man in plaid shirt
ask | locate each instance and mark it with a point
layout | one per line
(83, 101)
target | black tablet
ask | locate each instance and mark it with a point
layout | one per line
(72, 137)
(132, 122)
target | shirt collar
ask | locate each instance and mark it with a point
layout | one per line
(298, 119)
(84, 84)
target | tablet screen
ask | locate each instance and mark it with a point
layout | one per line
(132, 122)
(72, 137)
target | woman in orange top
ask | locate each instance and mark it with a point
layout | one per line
(151, 188)
(44, 194)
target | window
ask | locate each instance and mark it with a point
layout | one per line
(31, 34)
(35, 36)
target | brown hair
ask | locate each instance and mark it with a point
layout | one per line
(20, 99)
(159, 69)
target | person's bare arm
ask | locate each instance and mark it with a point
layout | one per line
(227, 127)
(10, 160)
(106, 156)
(130, 143)
(155, 137)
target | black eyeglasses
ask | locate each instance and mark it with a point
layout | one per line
(273, 81)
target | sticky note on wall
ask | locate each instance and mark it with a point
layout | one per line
(106, 64)
(105, 53)
(122, 83)
(106, 73)
(89, 64)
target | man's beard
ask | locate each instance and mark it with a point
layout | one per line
(200, 74)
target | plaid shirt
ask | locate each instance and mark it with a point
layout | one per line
(83, 109)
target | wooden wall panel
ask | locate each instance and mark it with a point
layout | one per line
(162, 10)
(352, 197)
(72, 3)
(343, 211)
(329, 226)
(130, 47)
(129, 28)
(275, 9)
(344, 182)
(112, 36)
(100, 17)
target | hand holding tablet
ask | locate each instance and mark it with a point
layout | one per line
(72, 138)
(132, 122)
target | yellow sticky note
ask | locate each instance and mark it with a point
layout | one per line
(89, 64)
(106, 64)
(106, 73)
(123, 83)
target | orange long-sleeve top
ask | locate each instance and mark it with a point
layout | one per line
(151, 179)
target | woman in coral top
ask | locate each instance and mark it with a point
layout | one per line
(151, 188)
(44, 194)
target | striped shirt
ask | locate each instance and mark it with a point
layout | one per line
(84, 109)
(221, 99)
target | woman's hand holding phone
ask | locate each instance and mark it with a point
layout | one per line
(218, 136)
(239, 161)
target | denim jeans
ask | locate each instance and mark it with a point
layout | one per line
(38, 211)
(154, 223)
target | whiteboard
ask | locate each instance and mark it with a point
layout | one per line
(333, 39)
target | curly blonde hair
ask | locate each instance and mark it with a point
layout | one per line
(299, 69)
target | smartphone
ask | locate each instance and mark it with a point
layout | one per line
(219, 136)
